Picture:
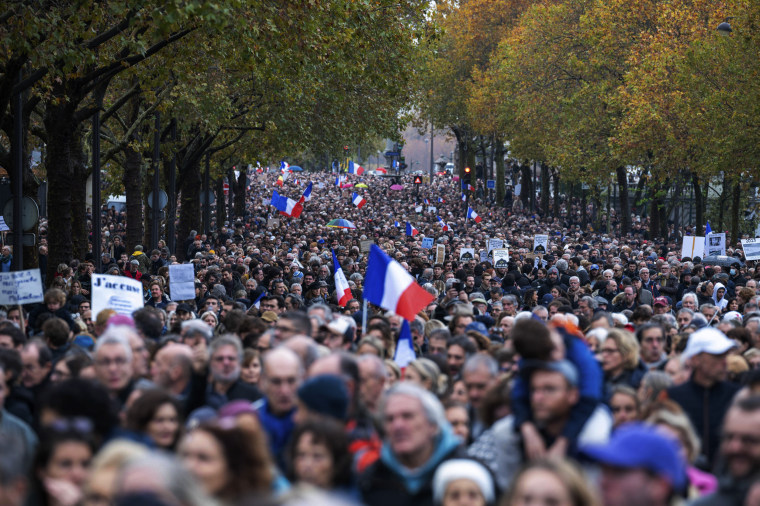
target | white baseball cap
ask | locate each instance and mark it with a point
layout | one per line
(707, 340)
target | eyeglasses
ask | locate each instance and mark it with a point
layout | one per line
(77, 424)
(108, 362)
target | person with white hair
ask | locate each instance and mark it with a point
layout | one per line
(418, 440)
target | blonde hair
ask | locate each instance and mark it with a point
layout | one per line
(429, 370)
(627, 346)
(670, 414)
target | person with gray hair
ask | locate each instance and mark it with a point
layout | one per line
(113, 362)
(225, 360)
(479, 373)
(418, 440)
(373, 378)
(195, 330)
(160, 477)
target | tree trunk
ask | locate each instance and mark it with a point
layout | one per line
(221, 207)
(735, 204)
(637, 196)
(544, 189)
(556, 210)
(80, 233)
(527, 186)
(723, 198)
(59, 123)
(625, 207)
(132, 190)
(190, 206)
(699, 203)
(499, 172)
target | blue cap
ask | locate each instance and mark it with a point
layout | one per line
(593, 266)
(85, 342)
(639, 446)
(478, 327)
(325, 394)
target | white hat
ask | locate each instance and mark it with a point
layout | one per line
(457, 469)
(707, 340)
(732, 315)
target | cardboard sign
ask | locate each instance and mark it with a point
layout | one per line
(120, 293)
(751, 249)
(427, 242)
(494, 244)
(364, 245)
(501, 258)
(541, 244)
(182, 282)
(440, 253)
(466, 254)
(273, 223)
(693, 246)
(715, 244)
(21, 287)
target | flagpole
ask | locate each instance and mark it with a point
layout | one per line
(364, 317)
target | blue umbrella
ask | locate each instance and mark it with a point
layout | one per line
(295, 168)
(340, 223)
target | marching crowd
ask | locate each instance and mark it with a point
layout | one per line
(602, 369)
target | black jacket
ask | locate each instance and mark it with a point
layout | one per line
(706, 408)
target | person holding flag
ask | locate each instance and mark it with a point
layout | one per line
(410, 230)
(342, 290)
(472, 215)
(358, 200)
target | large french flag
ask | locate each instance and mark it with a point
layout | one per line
(286, 206)
(391, 287)
(472, 215)
(342, 290)
(358, 200)
(410, 230)
(355, 168)
(404, 354)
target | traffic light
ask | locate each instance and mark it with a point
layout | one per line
(466, 170)
(345, 150)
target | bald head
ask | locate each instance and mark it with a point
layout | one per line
(172, 367)
(281, 375)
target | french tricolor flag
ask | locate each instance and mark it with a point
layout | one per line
(427, 202)
(444, 226)
(404, 354)
(307, 192)
(355, 168)
(466, 186)
(472, 215)
(286, 206)
(410, 230)
(358, 200)
(284, 165)
(440, 200)
(388, 285)
(464, 198)
(342, 290)
(396, 224)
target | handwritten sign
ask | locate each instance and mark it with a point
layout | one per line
(440, 253)
(427, 242)
(120, 293)
(21, 287)
(365, 245)
(182, 282)
(495, 244)
(693, 246)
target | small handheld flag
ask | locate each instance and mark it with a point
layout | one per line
(444, 226)
(472, 215)
(410, 230)
(404, 354)
(342, 290)
(358, 200)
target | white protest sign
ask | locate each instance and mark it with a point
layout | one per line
(365, 245)
(693, 246)
(21, 287)
(120, 293)
(540, 244)
(715, 244)
(518, 189)
(466, 253)
(501, 258)
(483, 255)
(418, 209)
(495, 244)
(440, 253)
(3, 226)
(182, 282)
(427, 242)
(432, 209)
(751, 249)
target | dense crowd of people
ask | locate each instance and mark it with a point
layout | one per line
(602, 370)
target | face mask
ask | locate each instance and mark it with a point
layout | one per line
(733, 272)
